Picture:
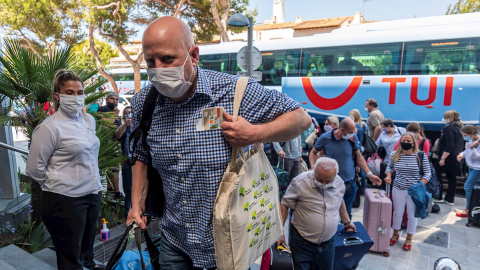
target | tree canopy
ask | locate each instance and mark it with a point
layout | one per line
(42, 22)
(84, 57)
(464, 6)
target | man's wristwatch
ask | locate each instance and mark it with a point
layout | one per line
(347, 223)
(369, 173)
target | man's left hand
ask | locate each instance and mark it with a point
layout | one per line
(351, 227)
(375, 179)
(281, 240)
(240, 133)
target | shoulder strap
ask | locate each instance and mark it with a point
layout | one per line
(354, 154)
(239, 92)
(422, 144)
(145, 122)
(420, 155)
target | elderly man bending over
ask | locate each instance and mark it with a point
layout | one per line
(317, 197)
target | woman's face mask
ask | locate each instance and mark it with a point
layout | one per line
(328, 128)
(71, 105)
(467, 138)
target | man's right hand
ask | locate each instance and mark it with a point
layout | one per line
(281, 240)
(128, 121)
(281, 154)
(138, 217)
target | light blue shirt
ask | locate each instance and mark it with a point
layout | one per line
(389, 142)
(291, 148)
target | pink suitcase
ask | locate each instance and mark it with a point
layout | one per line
(377, 219)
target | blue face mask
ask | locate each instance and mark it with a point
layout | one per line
(466, 138)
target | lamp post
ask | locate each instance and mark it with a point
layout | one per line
(240, 20)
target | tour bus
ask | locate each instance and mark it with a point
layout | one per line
(124, 79)
(416, 69)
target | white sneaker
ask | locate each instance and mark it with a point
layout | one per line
(438, 201)
(449, 203)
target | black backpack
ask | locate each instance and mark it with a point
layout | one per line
(433, 185)
(155, 201)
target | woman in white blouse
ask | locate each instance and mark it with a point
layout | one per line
(63, 158)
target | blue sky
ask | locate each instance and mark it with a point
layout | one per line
(374, 9)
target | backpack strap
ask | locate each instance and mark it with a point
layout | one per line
(420, 155)
(422, 144)
(354, 153)
(145, 122)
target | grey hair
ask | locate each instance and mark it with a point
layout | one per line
(327, 163)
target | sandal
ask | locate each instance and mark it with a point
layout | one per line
(462, 213)
(393, 241)
(407, 247)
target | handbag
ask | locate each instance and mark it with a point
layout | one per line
(303, 166)
(246, 214)
(369, 146)
(311, 139)
(134, 259)
(374, 163)
(436, 149)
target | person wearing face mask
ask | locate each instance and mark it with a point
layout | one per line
(375, 117)
(405, 162)
(192, 161)
(342, 145)
(472, 158)
(313, 71)
(389, 137)
(112, 106)
(451, 144)
(317, 198)
(63, 159)
(331, 123)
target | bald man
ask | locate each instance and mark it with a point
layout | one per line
(191, 161)
(313, 195)
(342, 145)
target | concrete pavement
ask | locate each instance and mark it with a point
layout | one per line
(462, 243)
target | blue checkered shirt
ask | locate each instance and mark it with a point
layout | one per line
(190, 162)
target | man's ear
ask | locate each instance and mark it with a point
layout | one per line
(195, 55)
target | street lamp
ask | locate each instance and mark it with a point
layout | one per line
(240, 20)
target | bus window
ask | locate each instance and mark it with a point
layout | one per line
(218, 62)
(442, 57)
(275, 65)
(374, 59)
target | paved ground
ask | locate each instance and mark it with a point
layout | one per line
(463, 244)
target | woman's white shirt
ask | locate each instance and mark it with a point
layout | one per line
(63, 155)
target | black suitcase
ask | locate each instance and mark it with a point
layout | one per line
(474, 207)
(350, 247)
(277, 259)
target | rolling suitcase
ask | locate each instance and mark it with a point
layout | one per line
(474, 207)
(277, 258)
(377, 219)
(350, 247)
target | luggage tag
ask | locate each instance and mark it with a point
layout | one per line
(211, 119)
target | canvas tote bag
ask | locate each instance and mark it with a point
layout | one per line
(246, 215)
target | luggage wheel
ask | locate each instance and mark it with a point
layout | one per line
(386, 254)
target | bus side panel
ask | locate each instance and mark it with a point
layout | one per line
(404, 99)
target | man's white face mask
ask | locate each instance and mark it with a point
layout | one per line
(170, 81)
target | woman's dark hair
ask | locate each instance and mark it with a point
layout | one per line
(416, 128)
(470, 130)
(61, 77)
(387, 122)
